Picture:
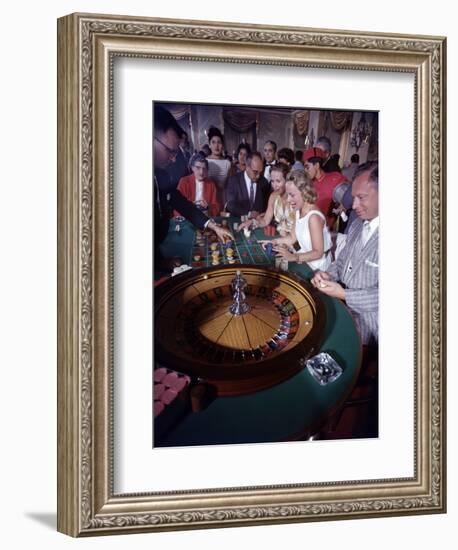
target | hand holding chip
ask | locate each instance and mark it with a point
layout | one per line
(222, 233)
(319, 279)
(333, 289)
(322, 281)
(284, 251)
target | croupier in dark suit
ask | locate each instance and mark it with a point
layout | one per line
(167, 134)
(248, 192)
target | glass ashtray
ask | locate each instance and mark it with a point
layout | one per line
(324, 368)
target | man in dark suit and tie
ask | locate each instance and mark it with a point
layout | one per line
(248, 192)
(330, 162)
(353, 277)
(270, 151)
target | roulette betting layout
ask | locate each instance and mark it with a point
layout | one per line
(207, 251)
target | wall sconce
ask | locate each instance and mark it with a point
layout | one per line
(309, 139)
(361, 134)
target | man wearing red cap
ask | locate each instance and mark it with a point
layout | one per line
(324, 182)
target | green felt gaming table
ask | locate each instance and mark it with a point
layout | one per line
(292, 409)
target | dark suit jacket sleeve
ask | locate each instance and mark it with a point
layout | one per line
(347, 199)
(187, 209)
(266, 191)
(234, 205)
(332, 165)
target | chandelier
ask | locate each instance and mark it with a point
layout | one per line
(361, 134)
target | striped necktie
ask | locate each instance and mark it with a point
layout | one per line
(366, 232)
(252, 195)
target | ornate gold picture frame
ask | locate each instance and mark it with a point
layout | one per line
(87, 47)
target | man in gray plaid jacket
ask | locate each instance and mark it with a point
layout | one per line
(353, 277)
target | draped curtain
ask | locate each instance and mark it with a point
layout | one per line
(180, 112)
(301, 121)
(239, 127)
(240, 121)
(340, 120)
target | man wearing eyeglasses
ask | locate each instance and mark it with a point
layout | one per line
(167, 135)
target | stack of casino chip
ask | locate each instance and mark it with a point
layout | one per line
(229, 252)
(168, 385)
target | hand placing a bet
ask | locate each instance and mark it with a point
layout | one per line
(284, 252)
(246, 223)
(222, 233)
(331, 288)
(276, 242)
(266, 242)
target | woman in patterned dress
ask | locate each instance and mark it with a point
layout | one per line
(218, 165)
(278, 208)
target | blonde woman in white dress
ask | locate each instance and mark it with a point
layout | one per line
(278, 207)
(218, 166)
(309, 230)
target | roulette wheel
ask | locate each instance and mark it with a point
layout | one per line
(238, 328)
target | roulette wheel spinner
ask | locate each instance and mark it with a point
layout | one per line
(237, 350)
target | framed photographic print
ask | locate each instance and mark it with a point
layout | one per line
(261, 343)
(234, 349)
